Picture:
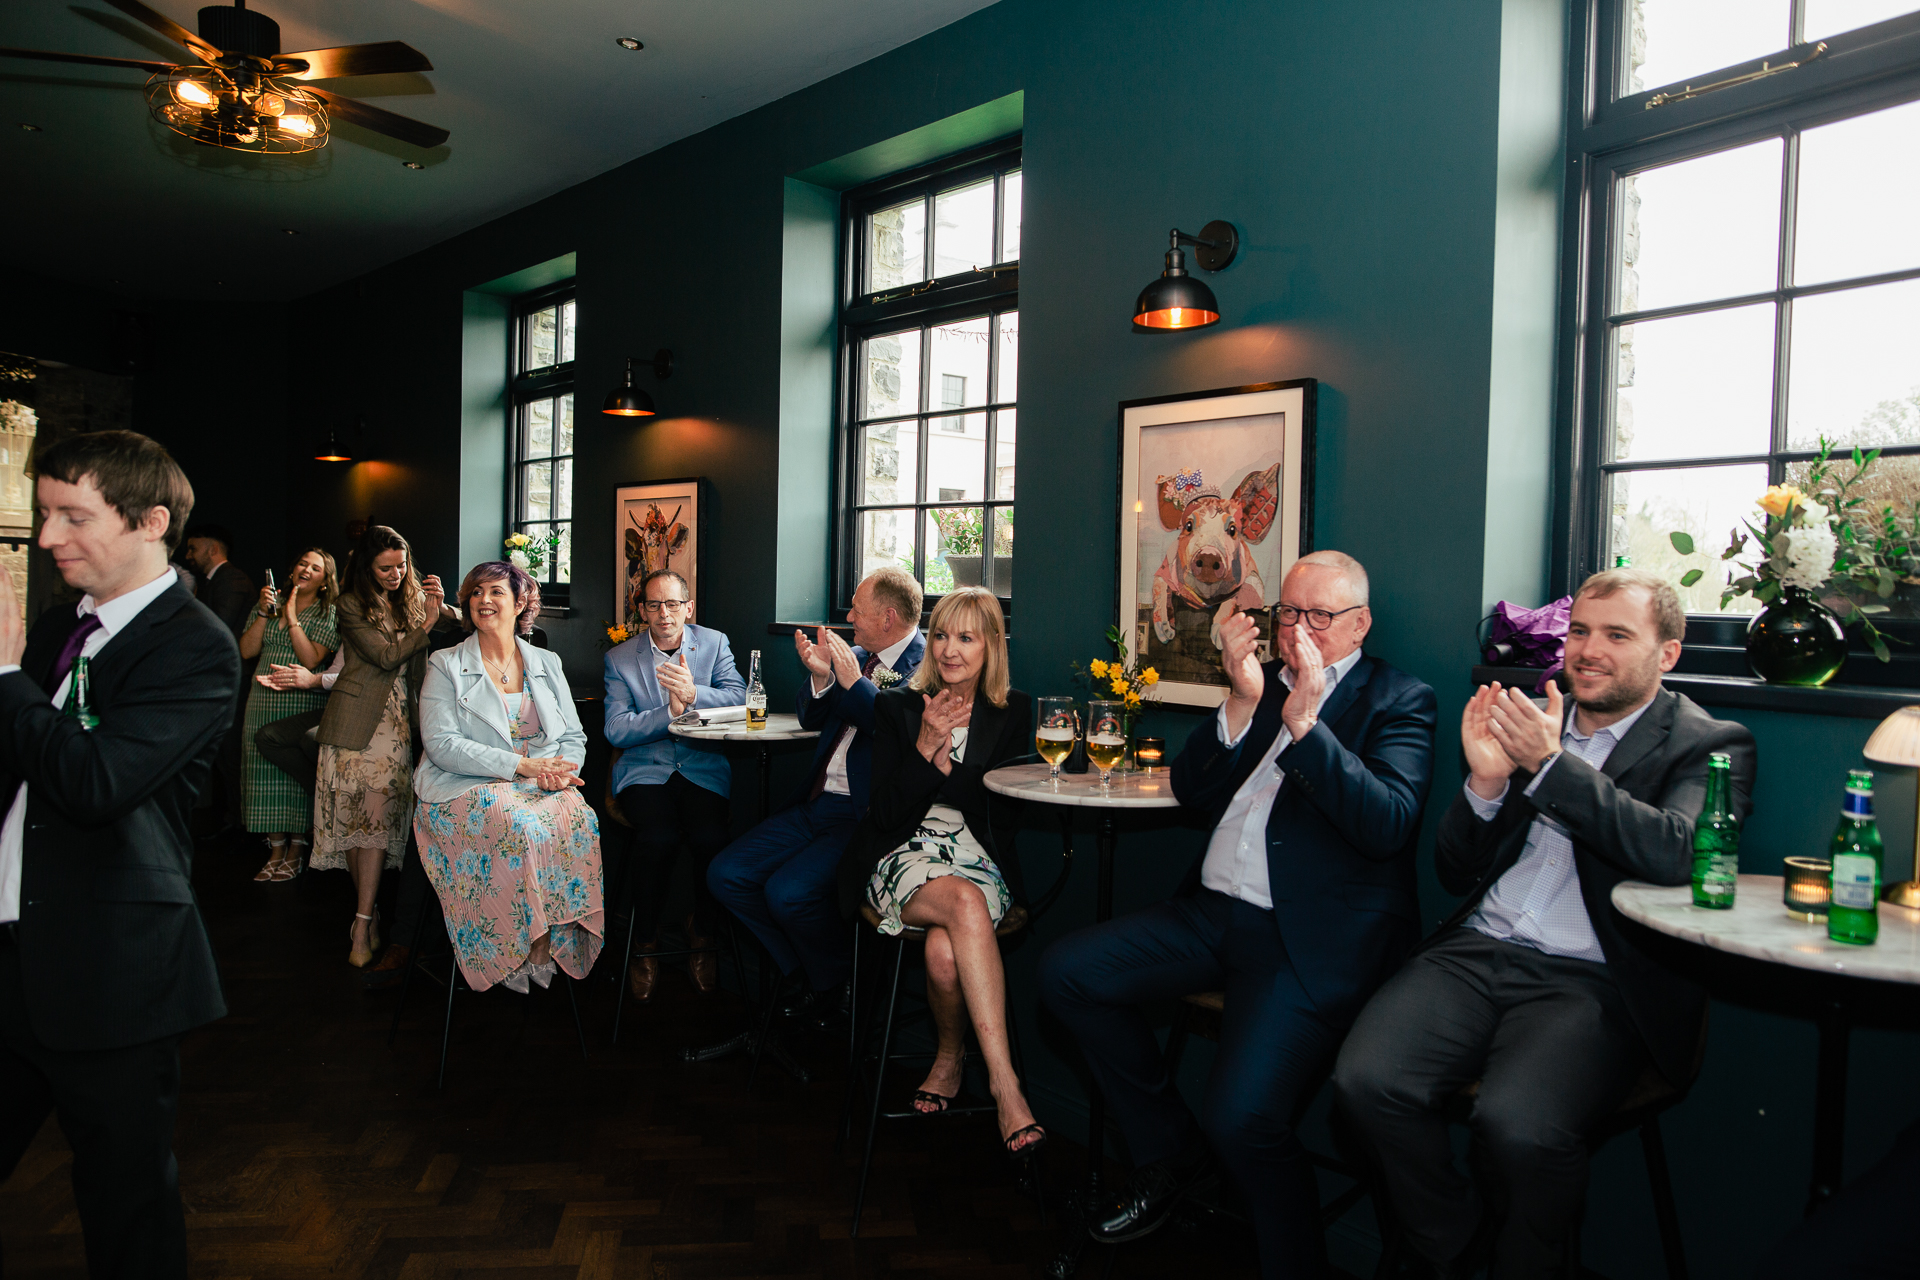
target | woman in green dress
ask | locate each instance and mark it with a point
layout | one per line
(294, 626)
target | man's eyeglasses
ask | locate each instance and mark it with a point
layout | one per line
(1318, 619)
(669, 606)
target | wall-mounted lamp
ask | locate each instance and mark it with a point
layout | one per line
(629, 401)
(333, 447)
(1176, 300)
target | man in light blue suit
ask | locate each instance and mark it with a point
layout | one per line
(668, 790)
(779, 878)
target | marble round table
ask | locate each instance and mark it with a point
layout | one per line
(1759, 927)
(783, 727)
(1132, 791)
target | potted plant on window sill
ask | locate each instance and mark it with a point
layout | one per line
(1803, 558)
(961, 536)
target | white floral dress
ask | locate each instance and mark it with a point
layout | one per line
(943, 846)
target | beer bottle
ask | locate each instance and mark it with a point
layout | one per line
(756, 696)
(79, 703)
(1716, 840)
(1623, 561)
(1853, 915)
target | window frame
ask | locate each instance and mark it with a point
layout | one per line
(524, 387)
(984, 292)
(1608, 137)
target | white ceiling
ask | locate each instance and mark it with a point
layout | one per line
(535, 92)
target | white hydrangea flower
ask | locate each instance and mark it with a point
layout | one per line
(1809, 558)
(519, 560)
(1812, 513)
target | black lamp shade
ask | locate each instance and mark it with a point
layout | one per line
(331, 449)
(1175, 301)
(627, 400)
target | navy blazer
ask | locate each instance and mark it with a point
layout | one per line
(839, 706)
(1342, 834)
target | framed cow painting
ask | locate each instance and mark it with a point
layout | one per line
(655, 526)
(1216, 503)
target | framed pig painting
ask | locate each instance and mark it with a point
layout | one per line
(655, 526)
(1216, 503)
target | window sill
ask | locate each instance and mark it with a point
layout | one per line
(1860, 701)
(555, 611)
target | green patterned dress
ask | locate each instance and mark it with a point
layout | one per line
(274, 801)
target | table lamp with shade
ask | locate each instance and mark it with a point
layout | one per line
(1897, 742)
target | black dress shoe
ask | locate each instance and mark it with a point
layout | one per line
(1145, 1202)
(800, 1003)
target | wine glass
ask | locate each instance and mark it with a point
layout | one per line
(1106, 737)
(1053, 738)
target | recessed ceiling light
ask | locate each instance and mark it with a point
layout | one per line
(628, 42)
(413, 164)
(31, 128)
(292, 231)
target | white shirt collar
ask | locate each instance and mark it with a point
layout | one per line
(119, 611)
(891, 654)
(1335, 673)
(1618, 728)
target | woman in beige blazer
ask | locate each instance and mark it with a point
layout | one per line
(363, 796)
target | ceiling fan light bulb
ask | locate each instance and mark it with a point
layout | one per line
(192, 93)
(268, 104)
(301, 126)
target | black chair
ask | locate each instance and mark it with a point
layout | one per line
(455, 982)
(1016, 921)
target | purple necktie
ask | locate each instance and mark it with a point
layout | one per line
(71, 650)
(847, 730)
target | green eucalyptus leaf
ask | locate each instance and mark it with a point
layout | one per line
(1879, 647)
(1691, 576)
(1682, 542)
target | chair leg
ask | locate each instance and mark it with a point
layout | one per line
(1671, 1244)
(1032, 1163)
(446, 1033)
(857, 1035)
(766, 1025)
(620, 977)
(573, 1002)
(879, 1084)
(406, 981)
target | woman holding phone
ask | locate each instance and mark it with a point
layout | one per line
(363, 796)
(297, 626)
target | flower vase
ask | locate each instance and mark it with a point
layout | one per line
(1796, 640)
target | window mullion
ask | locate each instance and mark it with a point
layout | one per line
(1783, 310)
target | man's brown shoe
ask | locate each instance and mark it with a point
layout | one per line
(643, 975)
(394, 958)
(702, 968)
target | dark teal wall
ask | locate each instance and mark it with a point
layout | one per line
(1354, 145)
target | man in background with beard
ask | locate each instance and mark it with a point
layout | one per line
(1532, 987)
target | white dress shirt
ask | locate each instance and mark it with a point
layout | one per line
(1537, 902)
(114, 614)
(837, 767)
(1236, 862)
(332, 673)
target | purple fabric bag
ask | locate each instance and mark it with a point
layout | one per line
(1530, 637)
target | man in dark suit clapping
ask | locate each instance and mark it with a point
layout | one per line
(104, 960)
(1313, 776)
(1532, 987)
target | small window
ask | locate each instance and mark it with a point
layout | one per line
(540, 483)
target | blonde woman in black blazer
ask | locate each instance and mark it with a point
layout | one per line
(935, 850)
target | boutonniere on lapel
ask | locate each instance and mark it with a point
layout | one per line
(887, 677)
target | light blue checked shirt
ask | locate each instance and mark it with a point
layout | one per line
(1537, 902)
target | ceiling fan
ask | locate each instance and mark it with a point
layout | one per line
(244, 94)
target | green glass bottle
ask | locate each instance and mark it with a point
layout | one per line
(80, 696)
(1853, 915)
(1716, 840)
(1623, 561)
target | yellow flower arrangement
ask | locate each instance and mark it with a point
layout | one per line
(1132, 686)
(1779, 498)
(1098, 668)
(616, 633)
(1149, 677)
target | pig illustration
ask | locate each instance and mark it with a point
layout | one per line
(650, 544)
(1211, 563)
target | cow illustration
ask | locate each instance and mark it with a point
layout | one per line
(650, 545)
(1210, 565)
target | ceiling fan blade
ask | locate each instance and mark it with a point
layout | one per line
(88, 59)
(167, 27)
(382, 58)
(379, 119)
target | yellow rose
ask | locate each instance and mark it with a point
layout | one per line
(1098, 668)
(1780, 498)
(1149, 677)
(1119, 685)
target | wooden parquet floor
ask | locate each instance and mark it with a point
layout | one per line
(309, 1150)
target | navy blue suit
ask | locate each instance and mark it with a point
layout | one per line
(779, 878)
(1340, 846)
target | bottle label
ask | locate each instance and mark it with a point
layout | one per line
(1723, 868)
(1853, 882)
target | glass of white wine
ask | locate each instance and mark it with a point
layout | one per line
(1053, 736)
(1106, 737)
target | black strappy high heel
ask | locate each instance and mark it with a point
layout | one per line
(1020, 1154)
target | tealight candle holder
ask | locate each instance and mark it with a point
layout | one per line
(1808, 888)
(1148, 752)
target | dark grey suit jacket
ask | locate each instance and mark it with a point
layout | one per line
(231, 595)
(112, 948)
(1632, 820)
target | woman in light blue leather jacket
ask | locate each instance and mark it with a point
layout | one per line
(509, 844)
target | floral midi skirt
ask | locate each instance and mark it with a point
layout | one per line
(941, 847)
(361, 799)
(509, 863)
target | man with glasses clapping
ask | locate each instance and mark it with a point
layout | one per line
(669, 791)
